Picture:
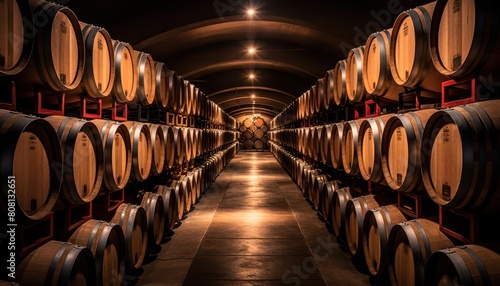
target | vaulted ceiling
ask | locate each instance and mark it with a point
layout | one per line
(208, 41)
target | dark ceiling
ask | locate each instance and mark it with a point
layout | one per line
(207, 41)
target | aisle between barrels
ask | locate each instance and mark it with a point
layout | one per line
(252, 227)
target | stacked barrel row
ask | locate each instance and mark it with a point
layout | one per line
(254, 133)
(426, 46)
(71, 161)
(44, 44)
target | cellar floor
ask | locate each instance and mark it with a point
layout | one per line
(253, 227)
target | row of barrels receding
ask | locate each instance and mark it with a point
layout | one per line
(427, 45)
(452, 154)
(44, 44)
(99, 252)
(73, 159)
(408, 252)
(254, 133)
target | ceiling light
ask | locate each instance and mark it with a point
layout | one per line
(251, 51)
(251, 76)
(250, 12)
(253, 96)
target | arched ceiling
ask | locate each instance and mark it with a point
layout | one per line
(207, 41)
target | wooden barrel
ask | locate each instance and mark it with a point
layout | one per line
(242, 128)
(350, 146)
(142, 151)
(258, 134)
(29, 147)
(107, 243)
(400, 152)
(312, 100)
(168, 134)
(377, 225)
(58, 58)
(318, 184)
(339, 203)
(377, 77)
(248, 134)
(83, 158)
(181, 198)
(325, 141)
(117, 153)
(180, 145)
(248, 123)
(161, 84)
(133, 221)
(336, 145)
(249, 144)
(464, 38)
(259, 122)
(460, 155)
(172, 91)
(326, 199)
(146, 78)
(180, 102)
(410, 245)
(369, 148)
(354, 75)
(355, 211)
(264, 128)
(169, 206)
(464, 265)
(126, 76)
(319, 105)
(410, 59)
(328, 99)
(155, 213)
(99, 74)
(58, 263)
(259, 144)
(188, 141)
(158, 148)
(253, 128)
(15, 44)
(340, 90)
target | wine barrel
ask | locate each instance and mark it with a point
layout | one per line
(355, 211)
(107, 243)
(126, 76)
(181, 198)
(29, 148)
(377, 77)
(180, 102)
(336, 145)
(253, 128)
(83, 158)
(369, 148)
(325, 141)
(142, 151)
(340, 90)
(460, 155)
(170, 207)
(320, 95)
(99, 73)
(464, 38)
(155, 213)
(117, 153)
(172, 91)
(410, 245)
(242, 128)
(249, 144)
(317, 186)
(248, 123)
(400, 152)
(158, 148)
(58, 263)
(264, 128)
(328, 99)
(259, 122)
(161, 85)
(326, 201)
(180, 145)
(356, 91)
(377, 225)
(15, 44)
(410, 58)
(339, 202)
(188, 141)
(58, 58)
(168, 133)
(259, 145)
(146, 78)
(350, 146)
(464, 265)
(133, 221)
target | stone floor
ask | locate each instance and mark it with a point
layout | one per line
(253, 227)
